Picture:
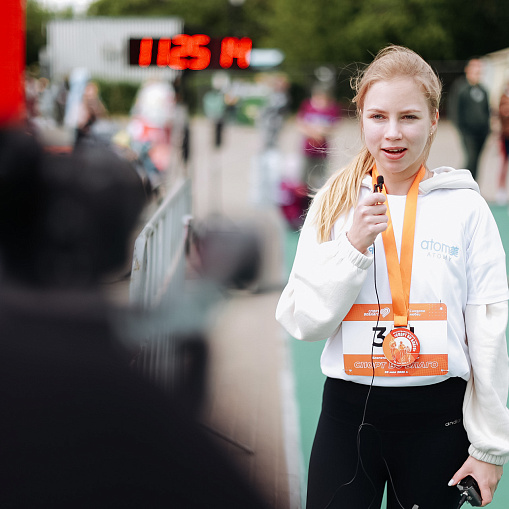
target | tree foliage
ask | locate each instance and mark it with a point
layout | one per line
(36, 19)
(333, 32)
(339, 31)
(214, 17)
(37, 16)
(477, 27)
(343, 31)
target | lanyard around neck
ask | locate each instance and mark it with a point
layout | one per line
(400, 271)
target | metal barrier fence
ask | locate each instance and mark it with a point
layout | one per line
(157, 279)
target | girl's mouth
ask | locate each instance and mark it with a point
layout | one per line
(394, 153)
(393, 150)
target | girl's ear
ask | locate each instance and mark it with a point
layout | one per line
(434, 121)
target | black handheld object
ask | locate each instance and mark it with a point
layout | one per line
(469, 492)
(379, 184)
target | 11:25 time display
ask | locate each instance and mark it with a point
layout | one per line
(194, 52)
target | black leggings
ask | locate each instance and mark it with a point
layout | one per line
(413, 440)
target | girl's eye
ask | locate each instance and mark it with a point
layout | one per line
(410, 117)
(377, 116)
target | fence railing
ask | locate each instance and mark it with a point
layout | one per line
(158, 278)
(158, 263)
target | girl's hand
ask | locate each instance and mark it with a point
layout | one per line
(487, 476)
(369, 219)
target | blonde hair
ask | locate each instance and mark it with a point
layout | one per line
(341, 191)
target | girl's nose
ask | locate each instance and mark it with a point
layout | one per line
(393, 131)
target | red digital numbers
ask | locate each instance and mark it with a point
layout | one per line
(191, 52)
(163, 52)
(145, 56)
(231, 48)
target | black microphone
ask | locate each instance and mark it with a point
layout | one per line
(469, 492)
(379, 184)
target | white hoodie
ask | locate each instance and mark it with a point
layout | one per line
(458, 260)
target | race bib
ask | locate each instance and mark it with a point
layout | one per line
(395, 352)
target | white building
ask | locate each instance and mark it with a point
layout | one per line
(101, 45)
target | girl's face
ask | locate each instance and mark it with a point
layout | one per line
(397, 124)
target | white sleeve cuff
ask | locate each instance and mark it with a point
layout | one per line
(486, 416)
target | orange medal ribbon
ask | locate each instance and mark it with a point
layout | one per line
(400, 271)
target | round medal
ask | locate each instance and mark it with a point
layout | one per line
(401, 347)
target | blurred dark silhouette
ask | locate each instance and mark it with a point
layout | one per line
(79, 428)
(469, 109)
(65, 219)
(229, 253)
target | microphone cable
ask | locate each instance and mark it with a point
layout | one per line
(379, 185)
(363, 420)
(363, 423)
(463, 499)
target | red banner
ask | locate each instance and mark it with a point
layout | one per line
(12, 61)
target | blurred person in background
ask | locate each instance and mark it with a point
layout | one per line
(470, 111)
(91, 110)
(46, 104)
(79, 77)
(61, 99)
(503, 115)
(217, 107)
(150, 126)
(31, 86)
(266, 168)
(272, 114)
(79, 427)
(316, 118)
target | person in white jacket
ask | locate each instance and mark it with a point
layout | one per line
(408, 285)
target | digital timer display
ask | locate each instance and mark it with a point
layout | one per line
(194, 52)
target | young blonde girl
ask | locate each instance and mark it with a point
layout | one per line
(420, 426)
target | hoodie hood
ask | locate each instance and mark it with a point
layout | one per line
(444, 177)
